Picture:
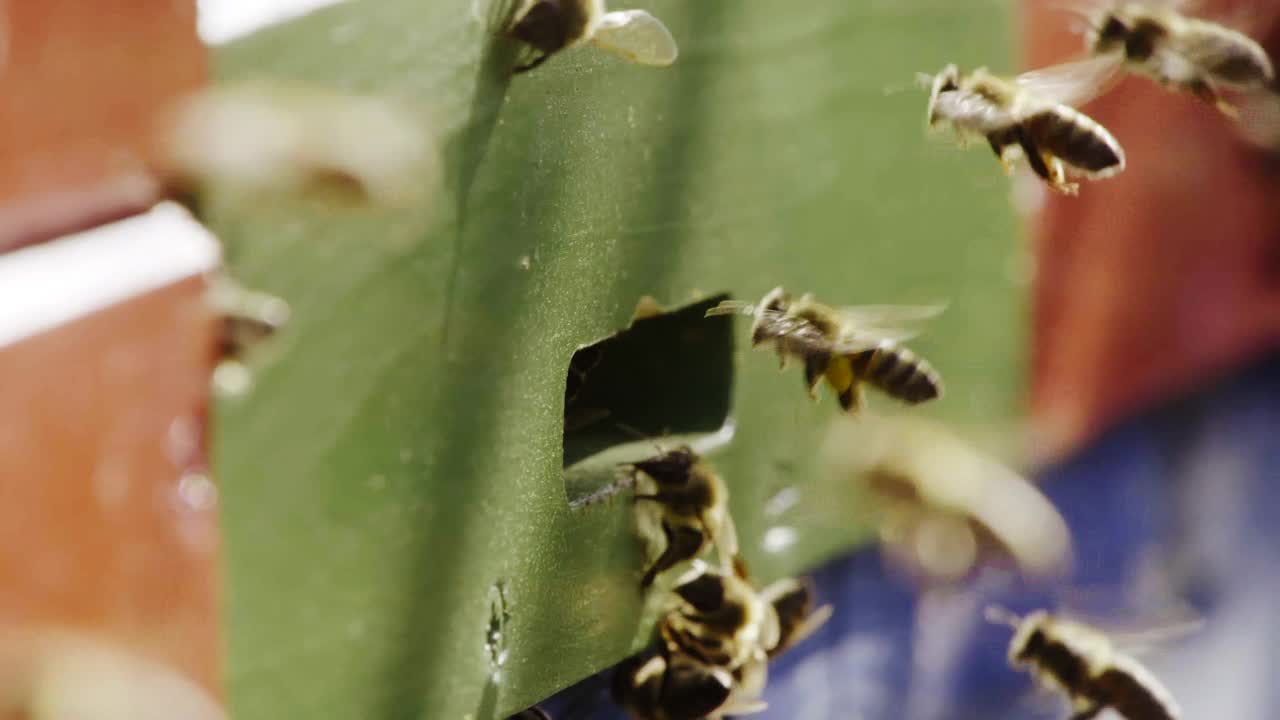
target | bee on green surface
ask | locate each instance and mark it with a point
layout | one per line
(713, 648)
(680, 496)
(549, 26)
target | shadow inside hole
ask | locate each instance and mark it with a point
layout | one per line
(666, 376)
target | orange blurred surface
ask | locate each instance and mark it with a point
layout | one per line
(1162, 278)
(108, 527)
(84, 86)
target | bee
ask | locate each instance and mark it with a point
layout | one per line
(1180, 52)
(942, 508)
(848, 346)
(720, 619)
(1031, 116)
(711, 658)
(275, 139)
(690, 503)
(660, 685)
(1083, 663)
(549, 26)
(247, 317)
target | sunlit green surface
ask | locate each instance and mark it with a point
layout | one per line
(400, 454)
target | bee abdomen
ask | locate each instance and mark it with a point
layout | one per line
(899, 373)
(1076, 139)
(1131, 698)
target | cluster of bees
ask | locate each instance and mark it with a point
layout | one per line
(712, 644)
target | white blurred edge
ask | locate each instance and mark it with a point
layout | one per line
(221, 21)
(48, 285)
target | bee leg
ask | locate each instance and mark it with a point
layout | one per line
(851, 397)
(814, 368)
(1205, 92)
(1059, 177)
(683, 542)
(1000, 149)
(1035, 158)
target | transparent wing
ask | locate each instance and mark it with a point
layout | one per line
(730, 307)
(807, 627)
(1073, 83)
(637, 36)
(888, 316)
(972, 111)
(801, 335)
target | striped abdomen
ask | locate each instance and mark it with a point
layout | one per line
(1076, 139)
(897, 372)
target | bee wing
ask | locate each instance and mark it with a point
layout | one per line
(1073, 83)
(637, 36)
(859, 339)
(807, 627)
(888, 316)
(726, 541)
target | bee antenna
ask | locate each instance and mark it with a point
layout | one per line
(999, 615)
(924, 80)
(638, 435)
(731, 307)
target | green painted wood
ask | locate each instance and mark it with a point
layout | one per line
(399, 456)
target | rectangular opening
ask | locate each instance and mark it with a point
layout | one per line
(668, 375)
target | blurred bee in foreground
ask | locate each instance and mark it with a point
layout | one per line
(248, 317)
(285, 139)
(942, 508)
(549, 26)
(1083, 663)
(847, 346)
(682, 506)
(1030, 116)
(713, 647)
(1189, 54)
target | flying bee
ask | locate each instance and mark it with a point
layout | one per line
(248, 317)
(549, 26)
(848, 346)
(1031, 116)
(1179, 52)
(689, 501)
(942, 508)
(275, 139)
(1083, 663)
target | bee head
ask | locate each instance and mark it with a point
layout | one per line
(671, 467)
(1109, 32)
(773, 304)
(1029, 637)
(694, 689)
(946, 81)
(705, 591)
